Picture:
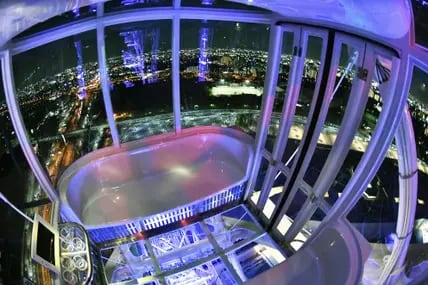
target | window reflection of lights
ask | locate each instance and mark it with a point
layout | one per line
(183, 171)
(369, 197)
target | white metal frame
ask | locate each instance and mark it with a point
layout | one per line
(350, 122)
(105, 86)
(269, 90)
(290, 99)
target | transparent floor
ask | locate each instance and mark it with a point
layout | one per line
(228, 248)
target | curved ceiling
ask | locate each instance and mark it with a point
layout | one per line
(18, 15)
(390, 19)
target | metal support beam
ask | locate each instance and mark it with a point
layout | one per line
(408, 184)
(350, 122)
(271, 79)
(394, 102)
(287, 115)
(136, 15)
(100, 9)
(105, 86)
(20, 130)
(176, 73)
(221, 252)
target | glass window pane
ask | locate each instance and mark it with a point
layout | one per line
(375, 214)
(313, 61)
(418, 101)
(284, 71)
(65, 18)
(139, 67)
(343, 85)
(61, 102)
(233, 226)
(219, 4)
(222, 68)
(20, 187)
(255, 257)
(420, 14)
(115, 5)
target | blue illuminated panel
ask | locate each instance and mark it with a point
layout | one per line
(162, 219)
(181, 213)
(81, 93)
(114, 232)
(203, 53)
(134, 57)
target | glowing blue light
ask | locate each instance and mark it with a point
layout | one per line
(133, 2)
(203, 69)
(207, 2)
(81, 93)
(133, 57)
(155, 49)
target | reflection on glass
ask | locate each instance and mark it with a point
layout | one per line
(213, 272)
(375, 214)
(139, 67)
(380, 83)
(126, 262)
(418, 104)
(65, 18)
(343, 85)
(222, 67)
(274, 194)
(115, 5)
(219, 4)
(232, 226)
(255, 257)
(180, 247)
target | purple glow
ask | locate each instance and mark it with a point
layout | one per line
(133, 2)
(81, 93)
(133, 57)
(155, 48)
(207, 2)
(203, 68)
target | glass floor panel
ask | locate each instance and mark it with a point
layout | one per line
(227, 248)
